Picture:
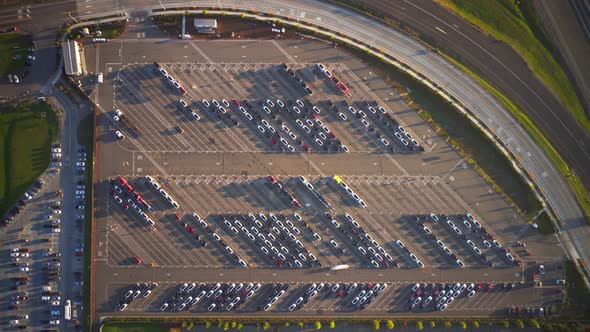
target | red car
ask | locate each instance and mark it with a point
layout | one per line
(340, 292)
(121, 181)
(271, 178)
(274, 141)
(182, 90)
(305, 147)
(331, 134)
(296, 203)
(236, 102)
(128, 187)
(79, 254)
(177, 216)
(137, 259)
(278, 263)
(189, 229)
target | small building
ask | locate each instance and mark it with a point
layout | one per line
(71, 55)
(205, 25)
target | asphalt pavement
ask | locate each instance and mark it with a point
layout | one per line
(470, 94)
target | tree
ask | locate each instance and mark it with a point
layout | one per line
(475, 324)
(533, 322)
(233, 325)
(207, 324)
(190, 325)
(226, 326)
(432, 323)
(420, 325)
(266, 326)
(184, 324)
(519, 324)
(463, 325)
(332, 324)
(376, 324)
(448, 324)
(300, 324)
(240, 326)
(390, 324)
(287, 324)
(318, 325)
(506, 324)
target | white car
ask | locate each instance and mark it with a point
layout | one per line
(119, 135)
(183, 103)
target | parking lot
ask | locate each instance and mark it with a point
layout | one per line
(243, 211)
(207, 186)
(350, 298)
(323, 122)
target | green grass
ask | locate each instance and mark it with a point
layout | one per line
(479, 150)
(545, 224)
(576, 185)
(577, 294)
(26, 132)
(505, 21)
(13, 53)
(134, 327)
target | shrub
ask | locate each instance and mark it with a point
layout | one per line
(318, 325)
(463, 325)
(376, 324)
(266, 326)
(432, 323)
(332, 324)
(390, 324)
(420, 325)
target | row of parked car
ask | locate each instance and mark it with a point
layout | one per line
(276, 237)
(217, 238)
(138, 290)
(217, 297)
(14, 210)
(360, 239)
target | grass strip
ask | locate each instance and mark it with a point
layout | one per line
(504, 20)
(577, 295)
(13, 52)
(576, 185)
(115, 326)
(27, 130)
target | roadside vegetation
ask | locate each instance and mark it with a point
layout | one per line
(505, 21)
(109, 30)
(577, 295)
(26, 133)
(13, 53)
(115, 326)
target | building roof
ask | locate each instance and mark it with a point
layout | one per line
(71, 56)
(206, 24)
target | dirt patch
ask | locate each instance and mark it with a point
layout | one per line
(227, 28)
